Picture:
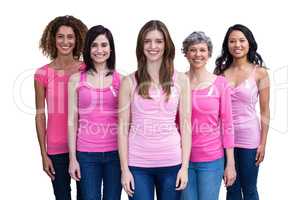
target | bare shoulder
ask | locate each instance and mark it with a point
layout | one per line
(182, 78)
(127, 82)
(261, 73)
(74, 78)
(182, 81)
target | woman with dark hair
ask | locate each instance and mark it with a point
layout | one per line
(153, 154)
(62, 41)
(93, 118)
(243, 67)
(212, 129)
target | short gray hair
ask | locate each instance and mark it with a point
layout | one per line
(195, 38)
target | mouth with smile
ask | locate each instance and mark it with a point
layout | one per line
(153, 52)
(237, 51)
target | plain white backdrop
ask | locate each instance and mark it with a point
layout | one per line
(273, 24)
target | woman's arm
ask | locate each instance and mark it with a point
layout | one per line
(227, 134)
(40, 123)
(74, 168)
(123, 127)
(185, 129)
(264, 98)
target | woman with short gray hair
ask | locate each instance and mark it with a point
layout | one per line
(212, 130)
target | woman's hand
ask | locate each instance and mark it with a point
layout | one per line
(182, 179)
(74, 169)
(260, 154)
(128, 182)
(229, 175)
(48, 167)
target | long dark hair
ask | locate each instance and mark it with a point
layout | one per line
(167, 66)
(224, 61)
(90, 37)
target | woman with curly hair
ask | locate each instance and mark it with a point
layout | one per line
(62, 41)
(243, 67)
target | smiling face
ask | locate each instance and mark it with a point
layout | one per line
(154, 46)
(238, 45)
(100, 49)
(197, 55)
(65, 40)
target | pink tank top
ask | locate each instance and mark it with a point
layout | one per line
(154, 140)
(98, 116)
(245, 120)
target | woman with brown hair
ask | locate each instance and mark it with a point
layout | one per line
(152, 152)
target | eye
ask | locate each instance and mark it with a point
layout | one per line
(147, 41)
(94, 45)
(70, 36)
(160, 41)
(193, 50)
(104, 44)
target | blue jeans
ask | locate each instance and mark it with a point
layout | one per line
(62, 181)
(244, 188)
(162, 178)
(98, 166)
(204, 180)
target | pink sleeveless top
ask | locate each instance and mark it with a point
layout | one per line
(245, 120)
(97, 116)
(56, 88)
(154, 140)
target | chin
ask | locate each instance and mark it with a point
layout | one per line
(198, 66)
(65, 53)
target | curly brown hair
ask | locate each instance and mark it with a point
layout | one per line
(47, 42)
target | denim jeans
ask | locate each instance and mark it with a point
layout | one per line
(163, 179)
(244, 188)
(204, 180)
(96, 167)
(62, 181)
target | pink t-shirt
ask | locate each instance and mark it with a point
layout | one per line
(154, 140)
(245, 120)
(212, 129)
(98, 116)
(56, 86)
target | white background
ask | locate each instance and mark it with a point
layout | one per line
(274, 26)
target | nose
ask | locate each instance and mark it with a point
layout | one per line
(65, 41)
(198, 52)
(237, 44)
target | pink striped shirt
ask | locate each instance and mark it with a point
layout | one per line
(212, 129)
(56, 86)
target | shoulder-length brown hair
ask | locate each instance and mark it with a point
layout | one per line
(167, 66)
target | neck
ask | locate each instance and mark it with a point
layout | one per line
(101, 67)
(198, 73)
(240, 63)
(64, 61)
(153, 70)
